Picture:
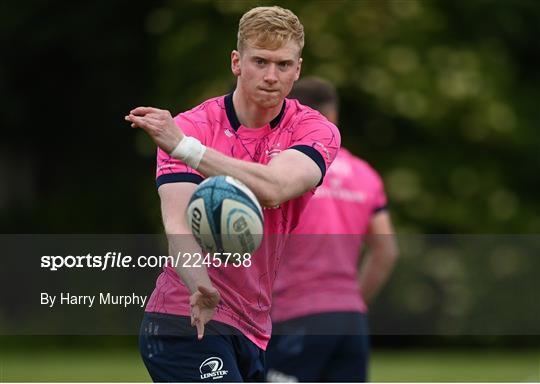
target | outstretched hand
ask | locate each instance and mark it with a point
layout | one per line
(158, 124)
(203, 304)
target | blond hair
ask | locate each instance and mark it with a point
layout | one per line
(269, 28)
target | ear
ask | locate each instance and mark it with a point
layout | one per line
(235, 63)
(298, 69)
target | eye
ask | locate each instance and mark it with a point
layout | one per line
(259, 61)
(284, 65)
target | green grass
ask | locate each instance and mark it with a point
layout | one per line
(456, 366)
(402, 365)
(72, 365)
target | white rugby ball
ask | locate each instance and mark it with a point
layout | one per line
(225, 216)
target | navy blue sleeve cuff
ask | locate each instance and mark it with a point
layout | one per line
(314, 155)
(380, 209)
(182, 177)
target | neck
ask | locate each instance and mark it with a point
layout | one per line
(252, 115)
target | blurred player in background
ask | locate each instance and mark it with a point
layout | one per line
(320, 302)
(280, 150)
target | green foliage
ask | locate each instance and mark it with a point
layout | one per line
(437, 95)
(440, 96)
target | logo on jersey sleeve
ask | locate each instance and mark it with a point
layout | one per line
(274, 150)
(212, 368)
(322, 148)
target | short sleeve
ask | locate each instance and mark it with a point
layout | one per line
(380, 202)
(317, 138)
(171, 170)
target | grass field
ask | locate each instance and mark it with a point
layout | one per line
(460, 366)
(404, 365)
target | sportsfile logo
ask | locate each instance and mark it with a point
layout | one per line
(212, 367)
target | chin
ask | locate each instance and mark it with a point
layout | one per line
(270, 102)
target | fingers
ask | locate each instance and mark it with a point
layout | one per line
(208, 291)
(210, 295)
(202, 303)
(197, 321)
(200, 329)
(144, 122)
(147, 117)
(141, 111)
(136, 122)
(205, 290)
(194, 315)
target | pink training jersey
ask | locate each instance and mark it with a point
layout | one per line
(318, 271)
(246, 293)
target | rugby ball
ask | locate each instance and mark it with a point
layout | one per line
(225, 216)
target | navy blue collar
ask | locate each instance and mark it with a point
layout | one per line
(233, 118)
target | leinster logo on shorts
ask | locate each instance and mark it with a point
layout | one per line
(212, 368)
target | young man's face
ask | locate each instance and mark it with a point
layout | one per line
(266, 76)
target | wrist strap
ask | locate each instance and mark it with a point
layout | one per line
(190, 151)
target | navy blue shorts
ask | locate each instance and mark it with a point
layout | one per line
(171, 351)
(322, 347)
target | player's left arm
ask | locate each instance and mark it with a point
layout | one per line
(288, 175)
(381, 255)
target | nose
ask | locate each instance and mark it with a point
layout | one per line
(270, 76)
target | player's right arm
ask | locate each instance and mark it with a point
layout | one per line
(204, 297)
(287, 176)
(381, 255)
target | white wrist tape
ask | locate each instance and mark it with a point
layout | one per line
(190, 151)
